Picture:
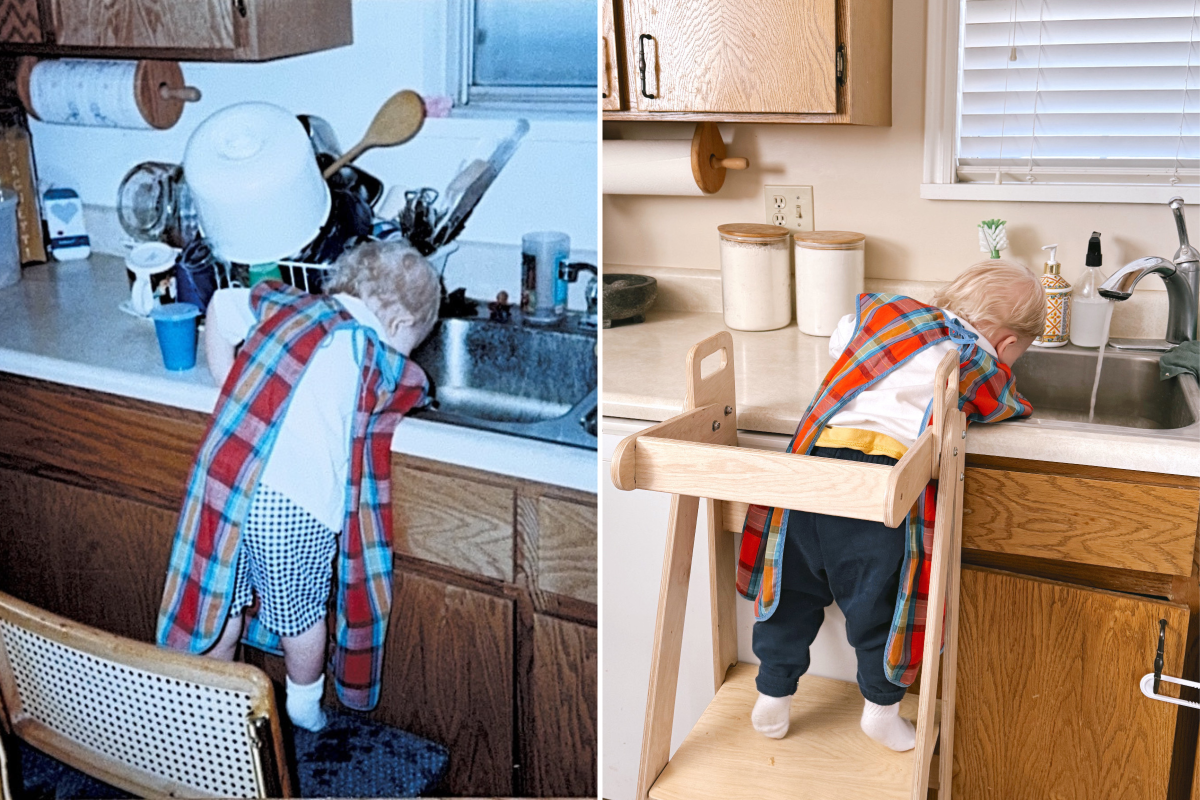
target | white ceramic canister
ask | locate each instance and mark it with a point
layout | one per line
(756, 276)
(829, 277)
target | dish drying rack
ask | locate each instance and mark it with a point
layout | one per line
(302, 275)
(695, 455)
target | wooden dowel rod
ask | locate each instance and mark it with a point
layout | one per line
(188, 94)
(729, 163)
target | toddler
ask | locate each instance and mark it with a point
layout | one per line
(871, 407)
(297, 456)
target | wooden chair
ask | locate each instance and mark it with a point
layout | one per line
(825, 755)
(147, 720)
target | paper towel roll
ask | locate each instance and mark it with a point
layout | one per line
(650, 167)
(81, 92)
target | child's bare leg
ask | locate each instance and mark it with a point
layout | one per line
(226, 645)
(304, 656)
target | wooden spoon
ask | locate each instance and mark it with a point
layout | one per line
(395, 123)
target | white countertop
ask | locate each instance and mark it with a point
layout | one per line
(61, 323)
(778, 371)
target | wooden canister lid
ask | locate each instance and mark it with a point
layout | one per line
(830, 240)
(752, 232)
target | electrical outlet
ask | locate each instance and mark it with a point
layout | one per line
(790, 207)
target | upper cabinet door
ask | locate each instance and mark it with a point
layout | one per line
(19, 22)
(753, 56)
(173, 24)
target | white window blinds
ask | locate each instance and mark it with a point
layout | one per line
(1067, 91)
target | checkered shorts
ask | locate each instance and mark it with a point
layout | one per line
(286, 558)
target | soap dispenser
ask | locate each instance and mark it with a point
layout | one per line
(1058, 303)
(1091, 310)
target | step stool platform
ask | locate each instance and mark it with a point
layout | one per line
(825, 755)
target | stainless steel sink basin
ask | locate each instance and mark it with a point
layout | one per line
(1131, 398)
(535, 382)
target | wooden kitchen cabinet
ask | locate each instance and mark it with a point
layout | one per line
(757, 61)
(491, 646)
(219, 30)
(1047, 691)
(1067, 572)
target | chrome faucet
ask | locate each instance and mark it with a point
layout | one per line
(570, 274)
(1181, 275)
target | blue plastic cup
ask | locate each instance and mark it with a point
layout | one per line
(175, 324)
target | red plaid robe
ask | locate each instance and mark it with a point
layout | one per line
(890, 330)
(245, 423)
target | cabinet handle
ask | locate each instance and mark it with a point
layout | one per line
(642, 63)
(240, 5)
(1151, 682)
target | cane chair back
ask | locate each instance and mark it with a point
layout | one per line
(141, 718)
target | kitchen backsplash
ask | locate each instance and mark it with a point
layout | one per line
(1141, 316)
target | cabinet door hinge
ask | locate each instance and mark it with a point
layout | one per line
(841, 65)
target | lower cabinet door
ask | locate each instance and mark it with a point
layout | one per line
(93, 557)
(448, 676)
(1048, 704)
(559, 712)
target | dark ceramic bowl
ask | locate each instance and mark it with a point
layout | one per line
(627, 297)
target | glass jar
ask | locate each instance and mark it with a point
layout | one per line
(756, 276)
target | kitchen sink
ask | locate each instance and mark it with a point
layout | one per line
(1131, 398)
(535, 382)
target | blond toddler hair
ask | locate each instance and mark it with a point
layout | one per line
(396, 283)
(996, 294)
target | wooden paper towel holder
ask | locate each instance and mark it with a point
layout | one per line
(708, 158)
(158, 89)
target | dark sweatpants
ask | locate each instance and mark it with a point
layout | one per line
(855, 562)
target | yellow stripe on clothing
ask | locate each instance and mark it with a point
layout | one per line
(869, 442)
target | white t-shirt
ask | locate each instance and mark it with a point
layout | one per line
(310, 461)
(895, 406)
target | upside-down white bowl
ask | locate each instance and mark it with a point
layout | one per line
(256, 185)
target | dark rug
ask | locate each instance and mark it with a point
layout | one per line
(352, 757)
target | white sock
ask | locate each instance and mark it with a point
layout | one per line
(304, 704)
(885, 725)
(770, 716)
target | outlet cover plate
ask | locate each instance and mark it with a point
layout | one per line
(789, 206)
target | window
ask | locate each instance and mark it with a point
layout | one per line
(524, 52)
(1080, 100)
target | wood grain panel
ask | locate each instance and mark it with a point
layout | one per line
(287, 27)
(202, 24)
(457, 521)
(98, 559)
(1048, 700)
(567, 548)
(610, 78)
(715, 56)
(137, 450)
(1107, 523)
(20, 21)
(558, 729)
(448, 664)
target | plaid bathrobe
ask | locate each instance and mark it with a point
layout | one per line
(240, 437)
(889, 331)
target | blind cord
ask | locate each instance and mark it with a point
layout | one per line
(1037, 84)
(1187, 76)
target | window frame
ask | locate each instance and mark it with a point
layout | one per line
(540, 100)
(940, 179)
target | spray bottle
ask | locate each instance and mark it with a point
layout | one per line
(1087, 323)
(1058, 303)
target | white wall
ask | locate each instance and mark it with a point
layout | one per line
(549, 184)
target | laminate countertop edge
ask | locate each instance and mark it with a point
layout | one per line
(60, 323)
(778, 371)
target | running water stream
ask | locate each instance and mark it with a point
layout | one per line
(1100, 359)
